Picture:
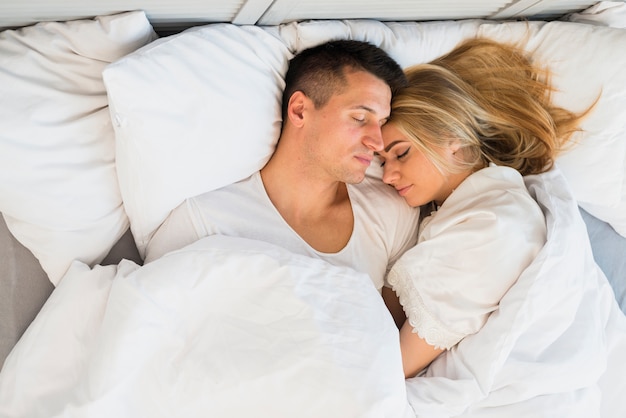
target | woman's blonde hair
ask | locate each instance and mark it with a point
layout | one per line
(490, 98)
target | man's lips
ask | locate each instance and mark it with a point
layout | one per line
(365, 159)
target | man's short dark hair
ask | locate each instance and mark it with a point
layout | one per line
(319, 71)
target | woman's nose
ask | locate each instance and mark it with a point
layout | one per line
(389, 174)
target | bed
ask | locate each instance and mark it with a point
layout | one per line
(111, 118)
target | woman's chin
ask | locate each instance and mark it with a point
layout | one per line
(413, 203)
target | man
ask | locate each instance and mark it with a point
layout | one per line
(313, 196)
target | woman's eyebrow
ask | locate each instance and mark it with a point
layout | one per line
(393, 144)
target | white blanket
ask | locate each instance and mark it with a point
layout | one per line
(229, 327)
(556, 347)
(226, 327)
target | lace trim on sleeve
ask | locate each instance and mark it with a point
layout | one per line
(424, 324)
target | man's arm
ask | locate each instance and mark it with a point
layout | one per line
(393, 305)
(176, 232)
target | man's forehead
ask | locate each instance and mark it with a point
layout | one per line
(368, 92)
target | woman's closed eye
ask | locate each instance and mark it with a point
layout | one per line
(402, 154)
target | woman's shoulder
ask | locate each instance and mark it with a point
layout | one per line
(491, 188)
(495, 177)
(495, 200)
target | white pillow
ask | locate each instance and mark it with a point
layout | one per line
(603, 13)
(215, 116)
(186, 136)
(192, 113)
(59, 192)
(613, 215)
(407, 42)
(585, 60)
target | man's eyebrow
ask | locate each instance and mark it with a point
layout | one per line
(367, 108)
(372, 111)
(363, 107)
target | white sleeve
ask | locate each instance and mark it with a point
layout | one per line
(389, 216)
(176, 232)
(449, 283)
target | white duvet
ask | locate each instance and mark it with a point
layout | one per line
(229, 327)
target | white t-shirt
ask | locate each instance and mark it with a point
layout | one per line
(469, 253)
(384, 225)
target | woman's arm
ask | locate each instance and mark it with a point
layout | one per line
(416, 352)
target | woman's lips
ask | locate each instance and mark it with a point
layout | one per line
(402, 191)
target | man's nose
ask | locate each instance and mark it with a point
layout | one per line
(374, 138)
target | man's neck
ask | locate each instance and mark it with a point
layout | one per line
(319, 211)
(299, 192)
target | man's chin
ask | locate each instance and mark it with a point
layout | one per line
(355, 179)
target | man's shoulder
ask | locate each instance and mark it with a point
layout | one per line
(382, 212)
(376, 197)
(241, 187)
(374, 188)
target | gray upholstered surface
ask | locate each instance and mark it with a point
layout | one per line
(24, 287)
(609, 250)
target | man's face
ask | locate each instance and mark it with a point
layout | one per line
(343, 135)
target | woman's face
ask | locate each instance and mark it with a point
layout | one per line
(410, 172)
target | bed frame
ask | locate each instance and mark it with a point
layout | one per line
(168, 16)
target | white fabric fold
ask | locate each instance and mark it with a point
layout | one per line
(554, 347)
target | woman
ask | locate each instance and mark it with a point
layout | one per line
(460, 137)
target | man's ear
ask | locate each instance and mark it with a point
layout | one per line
(295, 109)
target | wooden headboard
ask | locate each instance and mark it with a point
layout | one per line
(172, 15)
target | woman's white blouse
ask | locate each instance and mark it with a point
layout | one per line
(469, 253)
